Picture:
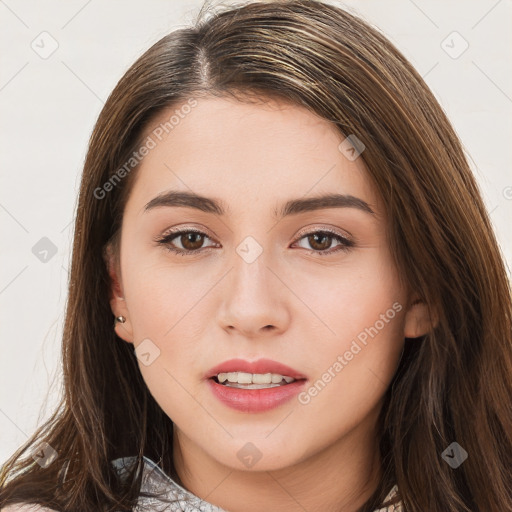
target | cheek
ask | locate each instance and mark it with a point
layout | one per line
(362, 315)
(168, 317)
(160, 293)
(164, 304)
(352, 296)
(351, 373)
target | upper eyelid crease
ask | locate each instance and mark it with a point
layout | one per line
(174, 232)
(174, 198)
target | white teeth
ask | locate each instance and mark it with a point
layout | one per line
(258, 378)
(253, 378)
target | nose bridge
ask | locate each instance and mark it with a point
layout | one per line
(252, 299)
(250, 275)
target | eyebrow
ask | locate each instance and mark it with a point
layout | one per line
(174, 198)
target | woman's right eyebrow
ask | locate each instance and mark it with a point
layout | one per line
(175, 198)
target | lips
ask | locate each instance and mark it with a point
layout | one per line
(260, 366)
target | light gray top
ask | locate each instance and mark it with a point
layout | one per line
(154, 479)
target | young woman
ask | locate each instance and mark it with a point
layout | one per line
(311, 309)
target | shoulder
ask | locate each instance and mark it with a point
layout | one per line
(26, 507)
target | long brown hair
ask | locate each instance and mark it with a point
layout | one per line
(452, 385)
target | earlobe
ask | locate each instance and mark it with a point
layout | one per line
(117, 302)
(418, 321)
(123, 328)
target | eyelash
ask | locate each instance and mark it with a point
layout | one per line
(345, 245)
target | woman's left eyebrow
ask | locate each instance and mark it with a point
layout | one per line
(175, 198)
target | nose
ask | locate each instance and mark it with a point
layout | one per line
(254, 299)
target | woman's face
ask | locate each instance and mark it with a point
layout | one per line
(262, 281)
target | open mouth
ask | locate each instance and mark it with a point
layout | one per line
(255, 392)
(252, 385)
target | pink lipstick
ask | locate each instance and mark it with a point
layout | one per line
(278, 384)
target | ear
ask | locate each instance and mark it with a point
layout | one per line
(418, 321)
(116, 295)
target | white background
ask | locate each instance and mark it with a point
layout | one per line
(49, 106)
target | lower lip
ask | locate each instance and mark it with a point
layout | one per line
(255, 400)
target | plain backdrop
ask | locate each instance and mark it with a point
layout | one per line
(60, 60)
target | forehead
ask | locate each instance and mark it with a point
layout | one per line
(247, 153)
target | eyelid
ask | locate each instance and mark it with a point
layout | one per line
(180, 228)
(304, 231)
(313, 228)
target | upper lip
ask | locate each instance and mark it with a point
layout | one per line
(260, 366)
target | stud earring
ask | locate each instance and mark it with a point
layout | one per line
(121, 319)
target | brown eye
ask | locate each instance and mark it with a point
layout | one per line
(320, 242)
(184, 242)
(191, 240)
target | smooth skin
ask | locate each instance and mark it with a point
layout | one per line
(205, 308)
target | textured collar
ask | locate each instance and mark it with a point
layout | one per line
(175, 498)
